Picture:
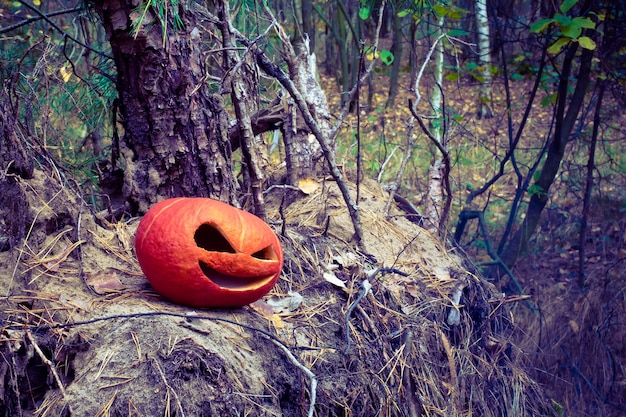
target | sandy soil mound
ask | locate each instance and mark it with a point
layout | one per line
(83, 334)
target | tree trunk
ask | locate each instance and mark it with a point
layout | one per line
(433, 206)
(308, 22)
(484, 60)
(565, 121)
(15, 164)
(304, 153)
(396, 50)
(175, 139)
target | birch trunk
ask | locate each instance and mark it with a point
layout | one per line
(484, 60)
(435, 197)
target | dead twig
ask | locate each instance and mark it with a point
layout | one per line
(304, 369)
(47, 361)
(365, 287)
(168, 386)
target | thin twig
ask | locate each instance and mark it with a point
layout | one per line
(304, 369)
(187, 316)
(47, 361)
(454, 379)
(365, 287)
(414, 405)
(34, 19)
(242, 104)
(418, 96)
(168, 386)
(407, 155)
(61, 31)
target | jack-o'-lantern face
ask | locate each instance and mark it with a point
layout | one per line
(203, 253)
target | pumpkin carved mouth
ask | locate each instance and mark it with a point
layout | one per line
(211, 239)
(227, 281)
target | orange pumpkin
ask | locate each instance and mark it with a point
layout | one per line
(204, 253)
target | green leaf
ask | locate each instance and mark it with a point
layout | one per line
(440, 10)
(567, 5)
(587, 43)
(535, 190)
(386, 56)
(455, 33)
(540, 25)
(557, 46)
(562, 19)
(572, 31)
(453, 76)
(548, 100)
(365, 13)
(516, 76)
(585, 22)
(455, 14)
(405, 12)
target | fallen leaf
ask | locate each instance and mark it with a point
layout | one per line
(262, 308)
(413, 290)
(66, 73)
(332, 278)
(308, 185)
(345, 259)
(105, 282)
(267, 311)
(286, 304)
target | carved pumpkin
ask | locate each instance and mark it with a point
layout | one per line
(204, 253)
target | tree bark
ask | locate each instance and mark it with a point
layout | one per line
(175, 140)
(303, 153)
(437, 197)
(484, 60)
(15, 164)
(242, 77)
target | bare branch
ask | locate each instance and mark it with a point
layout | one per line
(40, 17)
(61, 31)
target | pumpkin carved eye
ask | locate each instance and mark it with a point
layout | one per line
(209, 238)
(267, 254)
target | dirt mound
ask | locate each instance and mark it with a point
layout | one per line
(83, 333)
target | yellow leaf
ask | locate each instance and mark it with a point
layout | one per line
(267, 311)
(66, 73)
(308, 185)
(37, 2)
(276, 321)
(575, 327)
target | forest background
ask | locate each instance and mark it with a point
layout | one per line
(499, 124)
